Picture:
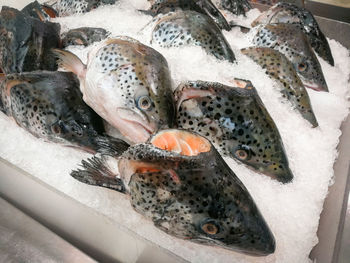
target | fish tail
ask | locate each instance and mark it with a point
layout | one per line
(70, 62)
(110, 146)
(96, 172)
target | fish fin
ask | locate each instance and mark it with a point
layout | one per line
(110, 146)
(96, 172)
(146, 12)
(70, 62)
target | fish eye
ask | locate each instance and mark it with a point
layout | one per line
(242, 153)
(210, 228)
(144, 103)
(56, 128)
(302, 66)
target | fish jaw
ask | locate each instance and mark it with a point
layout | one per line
(315, 86)
(134, 125)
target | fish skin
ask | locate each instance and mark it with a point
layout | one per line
(25, 42)
(35, 10)
(292, 14)
(72, 7)
(205, 7)
(84, 36)
(279, 68)
(235, 120)
(120, 76)
(192, 28)
(292, 42)
(237, 7)
(49, 106)
(183, 195)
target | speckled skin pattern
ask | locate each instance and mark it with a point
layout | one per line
(279, 68)
(49, 105)
(292, 42)
(71, 7)
(183, 28)
(235, 120)
(26, 43)
(292, 14)
(205, 7)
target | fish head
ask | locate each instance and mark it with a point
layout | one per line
(236, 121)
(181, 182)
(145, 112)
(310, 71)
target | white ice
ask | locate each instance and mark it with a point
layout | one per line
(292, 211)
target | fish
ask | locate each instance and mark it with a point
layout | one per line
(292, 42)
(38, 11)
(279, 68)
(236, 121)
(128, 84)
(73, 7)
(183, 28)
(84, 36)
(237, 7)
(205, 7)
(180, 182)
(49, 105)
(26, 42)
(301, 17)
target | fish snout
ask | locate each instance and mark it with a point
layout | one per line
(281, 172)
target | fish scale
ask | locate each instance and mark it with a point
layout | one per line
(235, 120)
(184, 28)
(292, 42)
(279, 68)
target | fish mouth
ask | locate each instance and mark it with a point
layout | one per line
(316, 87)
(135, 126)
(181, 142)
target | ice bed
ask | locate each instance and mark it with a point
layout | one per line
(34, 175)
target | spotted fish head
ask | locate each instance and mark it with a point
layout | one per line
(279, 68)
(181, 182)
(236, 121)
(49, 105)
(186, 28)
(292, 42)
(142, 101)
(292, 14)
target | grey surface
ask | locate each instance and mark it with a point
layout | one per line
(22, 239)
(91, 232)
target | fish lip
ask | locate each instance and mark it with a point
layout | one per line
(140, 119)
(270, 249)
(316, 87)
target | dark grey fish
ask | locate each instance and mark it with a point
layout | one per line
(84, 36)
(292, 14)
(26, 42)
(36, 10)
(235, 120)
(279, 68)
(205, 7)
(180, 182)
(293, 43)
(49, 105)
(72, 7)
(183, 28)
